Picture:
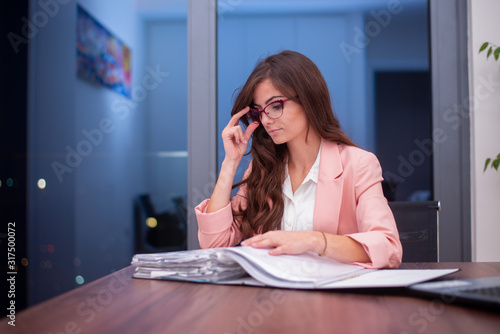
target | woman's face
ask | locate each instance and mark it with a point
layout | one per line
(291, 126)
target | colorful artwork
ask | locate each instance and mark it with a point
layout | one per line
(100, 56)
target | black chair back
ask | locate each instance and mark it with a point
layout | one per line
(418, 226)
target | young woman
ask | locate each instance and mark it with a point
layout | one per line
(308, 187)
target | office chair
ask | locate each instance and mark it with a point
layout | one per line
(418, 226)
(168, 233)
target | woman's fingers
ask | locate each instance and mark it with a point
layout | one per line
(234, 131)
(265, 241)
(263, 244)
(253, 240)
(236, 117)
(250, 129)
(261, 241)
(277, 251)
(281, 242)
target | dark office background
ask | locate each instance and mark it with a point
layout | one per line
(13, 152)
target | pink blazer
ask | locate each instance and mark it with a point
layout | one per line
(349, 201)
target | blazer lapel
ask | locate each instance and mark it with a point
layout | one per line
(329, 189)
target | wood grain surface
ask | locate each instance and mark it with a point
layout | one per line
(118, 303)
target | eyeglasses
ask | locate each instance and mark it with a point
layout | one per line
(273, 110)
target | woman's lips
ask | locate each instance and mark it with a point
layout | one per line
(272, 132)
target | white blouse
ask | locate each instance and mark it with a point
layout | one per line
(299, 207)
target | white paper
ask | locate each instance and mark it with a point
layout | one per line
(228, 265)
(390, 278)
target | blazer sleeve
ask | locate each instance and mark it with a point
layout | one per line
(378, 233)
(219, 228)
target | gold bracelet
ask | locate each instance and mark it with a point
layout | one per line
(323, 253)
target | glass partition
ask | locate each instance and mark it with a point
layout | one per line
(356, 45)
(165, 49)
(106, 172)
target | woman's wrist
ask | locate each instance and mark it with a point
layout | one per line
(318, 244)
(323, 252)
(230, 166)
(222, 191)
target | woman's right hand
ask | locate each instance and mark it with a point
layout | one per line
(234, 139)
(235, 145)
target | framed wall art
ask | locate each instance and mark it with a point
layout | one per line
(101, 57)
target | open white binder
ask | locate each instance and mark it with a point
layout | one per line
(232, 265)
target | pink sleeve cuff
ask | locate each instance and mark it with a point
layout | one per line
(213, 222)
(379, 249)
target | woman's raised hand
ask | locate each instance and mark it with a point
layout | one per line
(234, 139)
(235, 145)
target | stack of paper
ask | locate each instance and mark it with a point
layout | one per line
(200, 265)
(230, 265)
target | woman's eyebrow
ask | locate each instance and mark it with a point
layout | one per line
(268, 100)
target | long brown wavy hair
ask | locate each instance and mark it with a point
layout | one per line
(297, 78)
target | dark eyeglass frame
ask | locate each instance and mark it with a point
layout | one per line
(251, 115)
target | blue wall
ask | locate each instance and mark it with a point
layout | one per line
(243, 40)
(81, 224)
(333, 35)
(166, 112)
(250, 30)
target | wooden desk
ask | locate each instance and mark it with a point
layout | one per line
(119, 304)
